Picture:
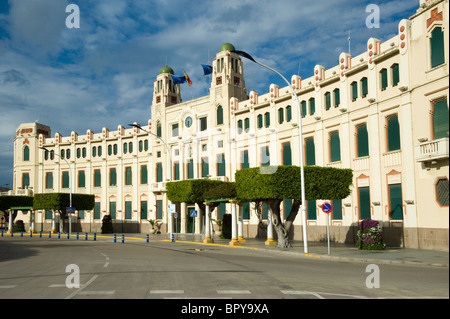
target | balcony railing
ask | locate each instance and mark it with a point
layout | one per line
(432, 150)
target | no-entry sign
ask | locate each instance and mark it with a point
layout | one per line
(327, 208)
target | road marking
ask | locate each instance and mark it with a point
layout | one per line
(104, 292)
(57, 286)
(82, 287)
(106, 265)
(300, 292)
(167, 291)
(8, 286)
(225, 292)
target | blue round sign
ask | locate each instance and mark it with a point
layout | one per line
(327, 208)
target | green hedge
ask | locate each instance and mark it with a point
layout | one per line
(6, 201)
(189, 191)
(226, 190)
(59, 201)
(284, 182)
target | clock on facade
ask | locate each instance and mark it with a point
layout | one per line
(188, 121)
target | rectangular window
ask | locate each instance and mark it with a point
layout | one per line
(144, 214)
(362, 140)
(144, 174)
(176, 171)
(244, 160)
(437, 47)
(354, 91)
(97, 212)
(49, 180)
(384, 79)
(128, 176)
(81, 214)
(247, 125)
(337, 209)
(159, 172)
(112, 209)
(287, 154)
(203, 124)
(174, 130)
(65, 180)
(364, 202)
(260, 121)
(128, 210)
(246, 211)
(159, 209)
(310, 152)
(205, 167)
(81, 179)
(337, 97)
(25, 180)
(190, 169)
(440, 119)
(267, 119)
(288, 113)
(312, 106)
(311, 207)
(335, 147)
(221, 165)
(395, 74)
(364, 87)
(112, 177)
(303, 104)
(265, 156)
(97, 178)
(395, 202)
(393, 133)
(222, 209)
(280, 115)
(239, 126)
(327, 101)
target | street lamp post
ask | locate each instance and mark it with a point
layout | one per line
(302, 172)
(70, 186)
(170, 168)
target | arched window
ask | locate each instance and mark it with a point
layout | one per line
(219, 115)
(437, 47)
(26, 153)
(393, 133)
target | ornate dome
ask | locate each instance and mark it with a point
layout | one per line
(226, 47)
(166, 69)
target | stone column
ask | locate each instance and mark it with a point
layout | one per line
(10, 221)
(270, 241)
(240, 224)
(234, 239)
(207, 225)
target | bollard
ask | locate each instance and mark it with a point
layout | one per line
(78, 235)
(21, 233)
(172, 238)
(40, 234)
(59, 234)
(147, 238)
(115, 239)
(95, 236)
(2, 233)
(123, 238)
(68, 235)
(12, 233)
(85, 236)
(49, 234)
(31, 233)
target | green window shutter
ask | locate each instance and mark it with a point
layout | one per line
(246, 211)
(437, 47)
(97, 210)
(219, 115)
(221, 165)
(310, 152)
(247, 124)
(26, 153)
(288, 113)
(440, 119)
(144, 174)
(337, 208)
(393, 133)
(79, 152)
(49, 180)
(141, 146)
(65, 180)
(265, 210)
(312, 106)
(159, 209)
(265, 156)
(81, 214)
(395, 202)
(127, 210)
(287, 154)
(222, 209)
(112, 209)
(146, 145)
(239, 126)
(99, 151)
(177, 171)
(144, 214)
(364, 87)
(97, 178)
(362, 139)
(287, 207)
(205, 167)
(395, 74)
(125, 148)
(311, 207)
(128, 176)
(191, 169)
(48, 214)
(364, 202)
(327, 101)
(112, 177)
(337, 97)
(83, 152)
(267, 119)
(335, 147)
(109, 151)
(81, 179)
(303, 108)
(203, 124)
(174, 131)
(25, 180)
(354, 90)
(244, 159)
(115, 149)
(159, 172)
(280, 115)
(384, 79)
(158, 129)
(260, 121)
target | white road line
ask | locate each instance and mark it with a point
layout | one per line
(167, 291)
(82, 287)
(104, 292)
(106, 264)
(226, 292)
(57, 286)
(300, 292)
(8, 286)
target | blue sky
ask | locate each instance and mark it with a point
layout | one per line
(102, 74)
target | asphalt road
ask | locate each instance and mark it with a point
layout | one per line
(37, 268)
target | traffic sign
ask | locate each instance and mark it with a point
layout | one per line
(172, 208)
(70, 210)
(193, 213)
(327, 208)
(175, 215)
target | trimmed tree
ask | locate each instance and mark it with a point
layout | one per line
(273, 184)
(8, 201)
(60, 201)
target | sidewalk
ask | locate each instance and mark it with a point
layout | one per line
(343, 252)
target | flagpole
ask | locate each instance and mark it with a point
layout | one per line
(302, 171)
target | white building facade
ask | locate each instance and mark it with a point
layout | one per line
(382, 113)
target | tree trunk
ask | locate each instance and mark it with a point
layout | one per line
(283, 230)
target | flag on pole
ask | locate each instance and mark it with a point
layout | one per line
(178, 79)
(207, 69)
(187, 78)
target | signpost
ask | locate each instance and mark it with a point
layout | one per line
(194, 213)
(70, 211)
(327, 208)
